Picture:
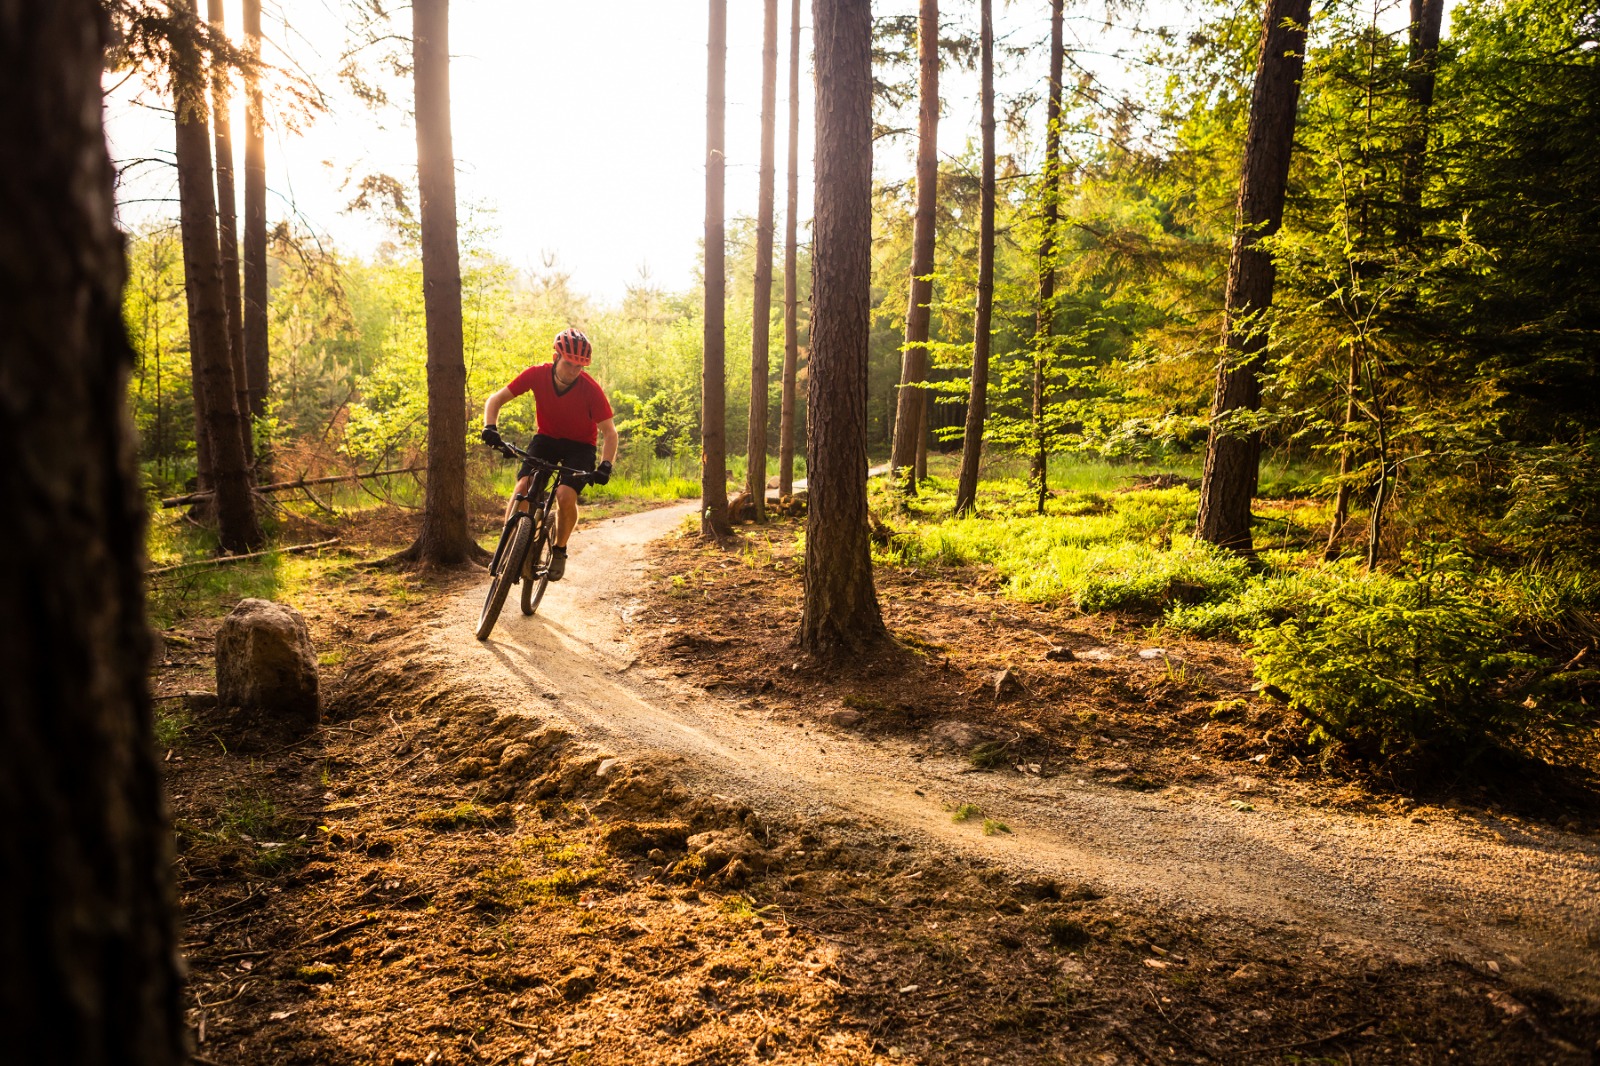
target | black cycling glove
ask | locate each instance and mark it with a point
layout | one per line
(491, 436)
(602, 473)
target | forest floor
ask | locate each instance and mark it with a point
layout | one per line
(640, 828)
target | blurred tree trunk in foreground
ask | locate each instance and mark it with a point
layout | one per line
(89, 970)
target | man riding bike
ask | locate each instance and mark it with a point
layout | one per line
(571, 412)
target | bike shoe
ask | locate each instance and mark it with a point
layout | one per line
(558, 564)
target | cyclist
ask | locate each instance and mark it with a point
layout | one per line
(571, 413)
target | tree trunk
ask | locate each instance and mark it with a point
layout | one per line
(239, 529)
(978, 396)
(89, 967)
(713, 380)
(254, 310)
(1233, 456)
(911, 421)
(923, 408)
(840, 612)
(444, 540)
(1341, 503)
(1427, 16)
(791, 332)
(1044, 322)
(228, 232)
(756, 448)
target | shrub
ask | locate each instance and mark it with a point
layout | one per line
(1405, 665)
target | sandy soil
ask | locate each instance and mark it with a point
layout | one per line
(1504, 895)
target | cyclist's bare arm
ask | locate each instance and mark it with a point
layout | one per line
(608, 440)
(491, 408)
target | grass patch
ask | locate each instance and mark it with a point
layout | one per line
(173, 723)
(464, 815)
(965, 812)
(994, 828)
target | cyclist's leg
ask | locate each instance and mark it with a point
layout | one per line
(566, 513)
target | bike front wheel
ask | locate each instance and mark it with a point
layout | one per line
(505, 575)
(538, 568)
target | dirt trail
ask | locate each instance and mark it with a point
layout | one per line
(1465, 885)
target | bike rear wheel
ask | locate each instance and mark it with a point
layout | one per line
(500, 582)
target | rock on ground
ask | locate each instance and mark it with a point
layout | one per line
(265, 662)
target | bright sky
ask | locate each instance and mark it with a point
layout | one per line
(579, 128)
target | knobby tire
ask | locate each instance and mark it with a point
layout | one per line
(501, 581)
(537, 567)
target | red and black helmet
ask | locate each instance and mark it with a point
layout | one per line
(575, 346)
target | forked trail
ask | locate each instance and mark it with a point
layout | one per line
(1462, 885)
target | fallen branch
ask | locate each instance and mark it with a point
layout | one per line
(293, 549)
(298, 483)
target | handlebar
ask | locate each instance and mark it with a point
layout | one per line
(511, 451)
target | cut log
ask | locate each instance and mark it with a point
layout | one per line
(294, 549)
(298, 483)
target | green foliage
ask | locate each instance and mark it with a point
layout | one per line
(1424, 664)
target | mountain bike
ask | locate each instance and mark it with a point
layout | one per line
(527, 541)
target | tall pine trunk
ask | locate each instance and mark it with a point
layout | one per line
(254, 309)
(910, 421)
(1427, 18)
(840, 611)
(1233, 455)
(713, 370)
(756, 447)
(228, 233)
(1044, 321)
(978, 396)
(443, 540)
(791, 293)
(89, 967)
(238, 527)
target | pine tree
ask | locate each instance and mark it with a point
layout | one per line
(756, 444)
(977, 396)
(840, 611)
(1233, 454)
(713, 380)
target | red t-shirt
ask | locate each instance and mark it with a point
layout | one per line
(570, 415)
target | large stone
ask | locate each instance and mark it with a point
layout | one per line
(265, 662)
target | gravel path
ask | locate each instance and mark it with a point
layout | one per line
(1519, 898)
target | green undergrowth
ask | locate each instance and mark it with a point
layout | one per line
(1439, 655)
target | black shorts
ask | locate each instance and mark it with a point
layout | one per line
(574, 453)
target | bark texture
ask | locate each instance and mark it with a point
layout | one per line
(1427, 18)
(978, 395)
(89, 971)
(254, 310)
(1044, 321)
(840, 612)
(760, 332)
(444, 540)
(228, 235)
(216, 399)
(791, 295)
(1233, 457)
(713, 370)
(910, 422)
